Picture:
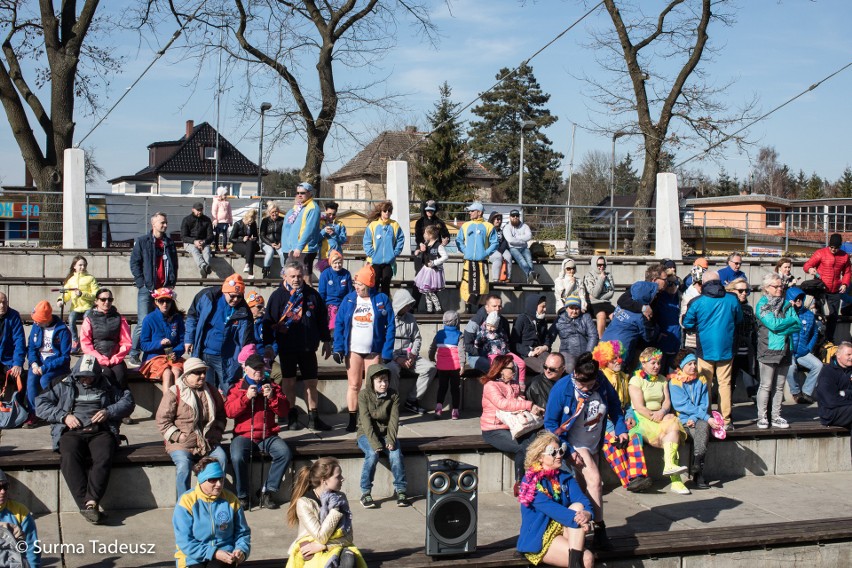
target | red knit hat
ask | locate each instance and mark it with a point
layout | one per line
(366, 276)
(42, 313)
(233, 284)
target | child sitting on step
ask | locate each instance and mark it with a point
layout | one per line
(430, 280)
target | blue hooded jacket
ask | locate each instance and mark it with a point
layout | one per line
(13, 342)
(713, 315)
(805, 340)
(384, 326)
(238, 329)
(626, 326)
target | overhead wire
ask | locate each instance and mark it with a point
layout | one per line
(501, 79)
(157, 57)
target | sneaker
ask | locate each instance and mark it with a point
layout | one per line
(367, 501)
(91, 513)
(246, 268)
(31, 422)
(133, 361)
(779, 423)
(202, 271)
(209, 269)
(439, 409)
(639, 484)
(729, 427)
(676, 469)
(455, 414)
(402, 500)
(763, 423)
(802, 398)
(414, 407)
(128, 420)
(266, 501)
(679, 488)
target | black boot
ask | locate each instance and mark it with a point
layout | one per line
(697, 473)
(600, 541)
(315, 423)
(293, 420)
(575, 558)
(353, 422)
(266, 272)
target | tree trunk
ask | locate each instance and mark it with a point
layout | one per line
(645, 198)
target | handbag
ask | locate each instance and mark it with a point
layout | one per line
(520, 422)
(12, 412)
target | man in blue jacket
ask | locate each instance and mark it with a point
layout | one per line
(153, 264)
(476, 240)
(218, 325)
(713, 316)
(13, 343)
(300, 235)
(629, 326)
(802, 349)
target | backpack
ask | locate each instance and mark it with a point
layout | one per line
(10, 557)
(12, 411)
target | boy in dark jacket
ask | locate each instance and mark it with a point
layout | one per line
(378, 423)
(49, 354)
(529, 334)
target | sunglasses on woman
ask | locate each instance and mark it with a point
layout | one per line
(554, 452)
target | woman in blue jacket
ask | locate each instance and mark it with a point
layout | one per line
(384, 240)
(161, 340)
(554, 510)
(803, 350)
(209, 523)
(363, 335)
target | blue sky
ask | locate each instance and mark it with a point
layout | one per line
(774, 50)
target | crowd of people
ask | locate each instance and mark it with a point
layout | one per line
(656, 365)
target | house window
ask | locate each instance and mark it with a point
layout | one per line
(773, 217)
(144, 187)
(186, 187)
(232, 187)
(209, 153)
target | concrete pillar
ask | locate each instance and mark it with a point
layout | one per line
(75, 210)
(397, 192)
(668, 218)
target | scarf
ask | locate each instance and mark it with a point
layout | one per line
(647, 377)
(581, 401)
(773, 305)
(292, 311)
(291, 216)
(533, 483)
(683, 377)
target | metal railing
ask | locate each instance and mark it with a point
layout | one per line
(115, 219)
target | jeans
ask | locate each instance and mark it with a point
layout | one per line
(144, 306)
(201, 257)
(184, 461)
(479, 363)
(221, 229)
(371, 460)
(810, 362)
(503, 441)
(277, 448)
(771, 384)
(269, 252)
(37, 383)
(73, 318)
(217, 377)
(523, 257)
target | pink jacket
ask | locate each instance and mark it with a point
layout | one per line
(497, 395)
(122, 346)
(220, 212)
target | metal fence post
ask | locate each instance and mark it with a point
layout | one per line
(786, 231)
(615, 239)
(745, 238)
(704, 235)
(27, 227)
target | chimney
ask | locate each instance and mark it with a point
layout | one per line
(189, 126)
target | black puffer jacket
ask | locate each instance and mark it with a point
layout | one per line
(270, 231)
(528, 332)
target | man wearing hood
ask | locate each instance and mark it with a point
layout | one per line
(831, 265)
(529, 334)
(713, 316)
(629, 326)
(802, 349)
(406, 352)
(85, 410)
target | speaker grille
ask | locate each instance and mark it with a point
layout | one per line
(452, 520)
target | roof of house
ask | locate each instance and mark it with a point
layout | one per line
(188, 157)
(372, 160)
(737, 199)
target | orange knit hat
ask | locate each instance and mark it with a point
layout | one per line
(42, 313)
(333, 255)
(233, 284)
(255, 298)
(366, 276)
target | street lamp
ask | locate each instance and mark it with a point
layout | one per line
(263, 108)
(615, 136)
(525, 125)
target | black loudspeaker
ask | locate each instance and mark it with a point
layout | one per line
(451, 507)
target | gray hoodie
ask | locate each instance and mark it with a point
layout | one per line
(407, 337)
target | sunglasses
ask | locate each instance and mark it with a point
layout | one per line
(736, 263)
(163, 300)
(554, 452)
(602, 266)
(741, 290)
(106, 299)
(301, 193)
(509, 368)
(552, 369)
(215, 480)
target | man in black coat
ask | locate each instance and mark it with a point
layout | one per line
(538, 389)
(153, 264)
(834, 389)
(196, 231)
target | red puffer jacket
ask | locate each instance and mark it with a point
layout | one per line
(833, 269)
(239, 407)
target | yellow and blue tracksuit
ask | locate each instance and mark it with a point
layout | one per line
(15, 513)
(303, 233)
(476, 240)
(204, 524)
(383, 242)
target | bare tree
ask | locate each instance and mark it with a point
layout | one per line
(659, 91)
(274, 41)
(69, 65)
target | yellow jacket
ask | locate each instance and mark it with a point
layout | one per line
(87, 284)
